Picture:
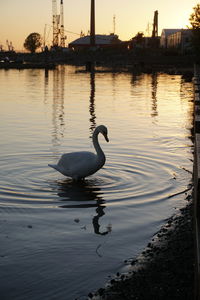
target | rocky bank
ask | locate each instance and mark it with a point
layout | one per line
(165, 269)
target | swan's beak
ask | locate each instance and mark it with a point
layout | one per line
(106, 138)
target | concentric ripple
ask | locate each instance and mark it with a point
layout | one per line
(138, 179)
(24, 180)
(125, 179)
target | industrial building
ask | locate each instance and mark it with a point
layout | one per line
(164, 36)
(179, 39)
(101, 41)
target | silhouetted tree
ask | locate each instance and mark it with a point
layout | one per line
(195, 23)
(195, 17)
(138, 38)
(32, 42)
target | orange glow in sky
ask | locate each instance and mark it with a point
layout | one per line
(19, 18)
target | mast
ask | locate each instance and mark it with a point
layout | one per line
(62, 31)
(114, 24)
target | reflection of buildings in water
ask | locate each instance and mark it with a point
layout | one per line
(154, 84)
(58, 105)
(134, 79)
(80, 195)
(186, 90)
(92, 102)
(186, 96)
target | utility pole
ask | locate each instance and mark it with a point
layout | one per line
(92, 24)
(114, 24)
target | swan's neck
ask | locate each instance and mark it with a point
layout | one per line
(99, 151)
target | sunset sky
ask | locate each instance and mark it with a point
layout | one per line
(19, 18)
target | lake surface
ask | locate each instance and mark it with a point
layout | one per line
(62, 240)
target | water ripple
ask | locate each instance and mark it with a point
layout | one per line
(125, 179)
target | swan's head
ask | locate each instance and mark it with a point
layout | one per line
(103, 130)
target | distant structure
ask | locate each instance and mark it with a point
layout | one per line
(164, 36)
(92, 24)
(62, 30)
(155, 25)
(114, 24)
(58, 25)
(55, 20)
(177, 39)
(101, 41)
(155, 40)
(10, 46)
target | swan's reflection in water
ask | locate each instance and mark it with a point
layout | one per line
(83, 194)
(100, 212)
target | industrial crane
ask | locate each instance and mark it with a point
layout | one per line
(58, 25)
(10, 46)
(62, 31)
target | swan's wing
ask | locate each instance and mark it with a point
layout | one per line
(76, 163)
(74, 158)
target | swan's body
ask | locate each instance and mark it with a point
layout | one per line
(79, 165)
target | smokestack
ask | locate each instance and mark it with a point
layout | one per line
(92, 24)
(155, 25)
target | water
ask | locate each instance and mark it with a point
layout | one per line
(59, 239)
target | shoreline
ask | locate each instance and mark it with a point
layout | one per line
(166, 267)
(143, 61)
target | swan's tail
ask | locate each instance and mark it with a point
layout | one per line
(54, 167)
(58, 168)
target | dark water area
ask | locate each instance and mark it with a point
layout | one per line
(60, 239)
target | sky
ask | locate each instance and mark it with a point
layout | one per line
(19, 18)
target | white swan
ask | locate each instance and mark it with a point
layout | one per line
(79, 165)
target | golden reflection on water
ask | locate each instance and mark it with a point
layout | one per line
(89, 99)
(110, 96)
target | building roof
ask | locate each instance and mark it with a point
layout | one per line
(100, 39)
(167, 32)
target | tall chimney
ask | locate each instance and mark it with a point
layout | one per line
(92, 24)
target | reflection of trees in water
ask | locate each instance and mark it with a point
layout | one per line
(154, 85)
(83, 194)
